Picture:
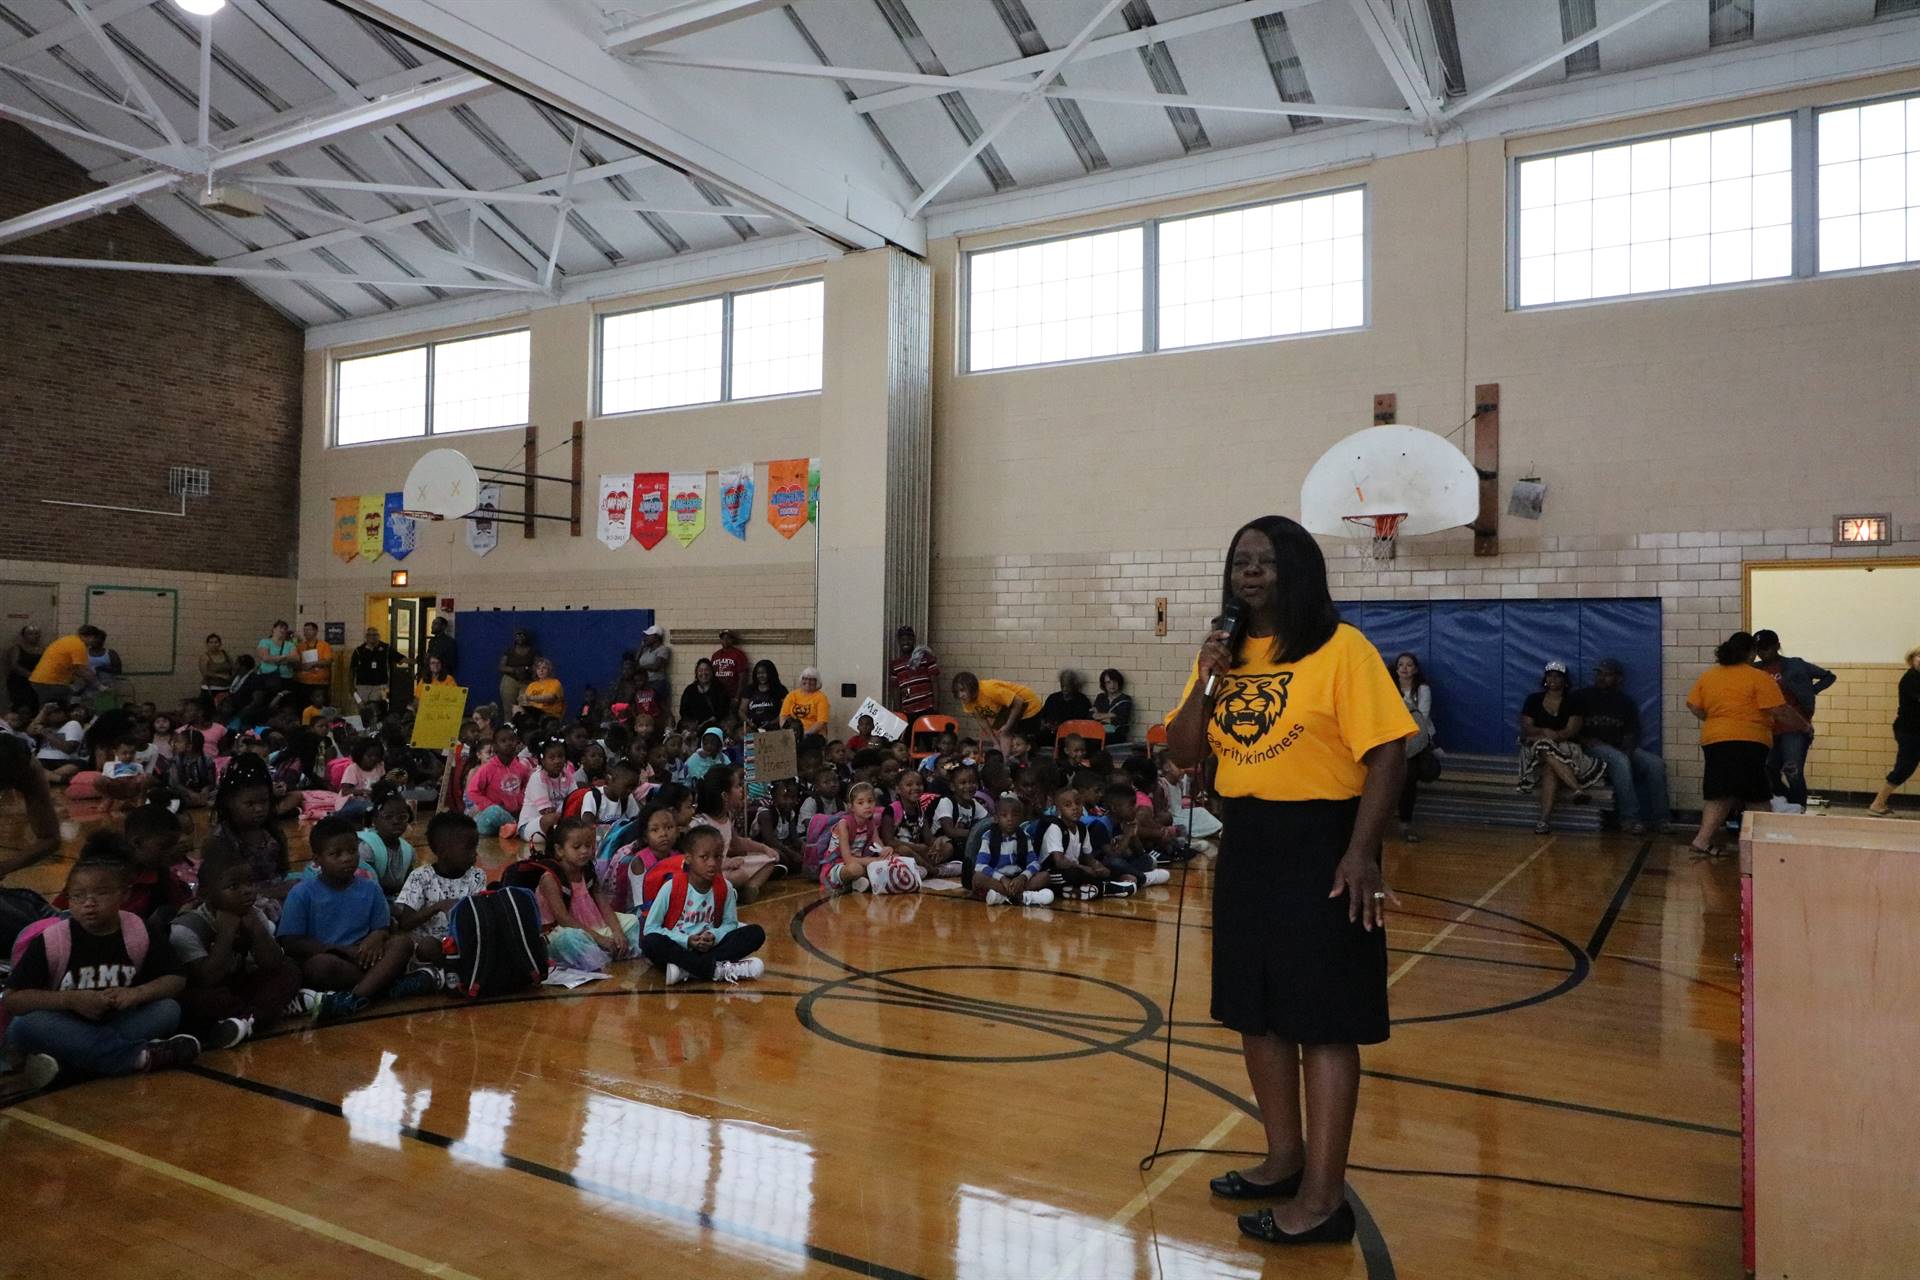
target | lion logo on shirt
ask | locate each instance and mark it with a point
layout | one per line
(1251, 705)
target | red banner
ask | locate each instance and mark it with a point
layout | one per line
(649, 508)
(787, 495)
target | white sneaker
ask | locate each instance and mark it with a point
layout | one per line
(676, 975)
(859, 885)
(1159, 875)
(740, 970)
(995, 898)
(948, 869)
(1037, 898)
(33, 1074)
(303, 1003)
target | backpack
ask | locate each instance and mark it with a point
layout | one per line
(577, 800)
(677, 888)
(57, 930)
(20, 910)
(527, 874)
(819, 836)
(494, 944)
(656, 876)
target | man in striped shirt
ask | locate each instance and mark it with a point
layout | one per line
(913, 677)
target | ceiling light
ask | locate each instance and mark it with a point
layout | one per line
(202, 8)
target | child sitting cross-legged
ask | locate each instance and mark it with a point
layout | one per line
(778, 824)
(584, 930)
(1067, 849)
(338, 926)
(497, 787)
(384, 851)
(854, 845)
(191, 775)
(239, 981)
(95, 993)
(693, 927)
(430, 892)
(1008, 868)
(546, 792)
(1127, 854)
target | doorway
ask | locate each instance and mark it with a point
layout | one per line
(404, 622)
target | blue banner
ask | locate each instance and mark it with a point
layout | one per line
(398, 533)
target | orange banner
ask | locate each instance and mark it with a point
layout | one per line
(346, 528)
(787, 495)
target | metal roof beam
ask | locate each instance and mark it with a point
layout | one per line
(92, 26)
(502, 196)
(82, 207)
(74, 131)
(1159, 33)
(242, 273)
(424, 253)
(820, 171)
(682, 20)
(1403, 65)
(112, 11)
(1536, 66)
(368, 115)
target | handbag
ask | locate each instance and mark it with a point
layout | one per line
(1426, 765)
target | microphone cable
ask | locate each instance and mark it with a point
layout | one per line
(1173, 993)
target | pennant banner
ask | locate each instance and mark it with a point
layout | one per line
(686, 505)
(373, 519)
(346, 528)
(736, 500)
(483, 533)
(649, 508)
(787, 495)
(616, 504)
(402, 533)
(813, 490)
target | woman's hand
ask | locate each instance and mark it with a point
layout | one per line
(1358, 876)
(1216, 655)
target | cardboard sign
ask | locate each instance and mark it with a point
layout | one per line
(772, 756)
(885, 723)
(436, 722)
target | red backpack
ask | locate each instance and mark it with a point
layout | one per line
(677, 896)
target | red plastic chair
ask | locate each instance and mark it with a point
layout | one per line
(1156, 736)
(1092, 730)
(924, 737)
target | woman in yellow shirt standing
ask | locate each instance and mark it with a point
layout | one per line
(1308, 730)
(435, 673)
(1740, 708)
(806, 706)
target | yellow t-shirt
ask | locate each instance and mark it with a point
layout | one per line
(61, 661)
(997, 695)
(322, 674)
(1736, 700)
(547, 697)
(420, 690)
(1297, 730)
(810, 708)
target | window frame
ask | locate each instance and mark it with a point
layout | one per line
(725, 299)
(333, 389)
(1150, 284)
(1813, 192)
(1803, 178)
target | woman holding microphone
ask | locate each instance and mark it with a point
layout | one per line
(1307, 728)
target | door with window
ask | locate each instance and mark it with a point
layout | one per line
(404, 622)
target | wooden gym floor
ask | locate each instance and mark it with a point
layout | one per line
(921, 1086)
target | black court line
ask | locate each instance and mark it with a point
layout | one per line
(1675, 973)
(519, 1164)
(1674, 1201)
(1585, 1108)
(1620, 895)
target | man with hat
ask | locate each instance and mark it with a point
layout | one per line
(1610, 732)
(913, 678)
(655, 661)
(729, 663)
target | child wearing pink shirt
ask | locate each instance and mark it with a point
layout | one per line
(496, 790)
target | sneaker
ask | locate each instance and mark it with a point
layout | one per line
(420, 982)
(860, 885)
(1120, 889)
(995, 898)
(449, 981)
(33, 1075)
(1037, 898)
(1159, 875)
(947, 869)
(1086, 892)
(303, 1004)
(731, 971)
(336, 1004)
(675, 975)
(174, 1051)
(229, 1032)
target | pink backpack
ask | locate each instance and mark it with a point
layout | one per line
(58, 932)
(337, 769)
(819, 836)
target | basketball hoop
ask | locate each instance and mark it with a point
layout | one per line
(1384, 533)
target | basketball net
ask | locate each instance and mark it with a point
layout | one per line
(1385, 531)
(409, 514)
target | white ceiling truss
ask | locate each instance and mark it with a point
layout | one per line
(407, 153)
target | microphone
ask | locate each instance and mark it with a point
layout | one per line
(1231, 622)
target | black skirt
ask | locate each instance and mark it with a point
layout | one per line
(1286, 960)
(1735, 771)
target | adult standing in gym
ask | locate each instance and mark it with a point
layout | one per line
(1906, 738)
(516, 668)
(23, 655)
(1308, 731)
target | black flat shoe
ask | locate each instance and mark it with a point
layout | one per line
(1336, 1229)
(1231, 1186)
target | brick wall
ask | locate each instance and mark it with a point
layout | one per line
(107, 378)
(1024, 616)
(1854, 746)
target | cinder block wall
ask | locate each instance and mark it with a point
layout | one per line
(1853, 742)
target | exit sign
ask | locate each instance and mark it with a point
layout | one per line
(1862, 531)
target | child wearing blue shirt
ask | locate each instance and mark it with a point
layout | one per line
(1007, 867)
(693, 928)
(338, 926)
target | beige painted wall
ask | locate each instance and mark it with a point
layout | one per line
(1853, 741)
(1831, 615)
(1679, 436)
(241, 609)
